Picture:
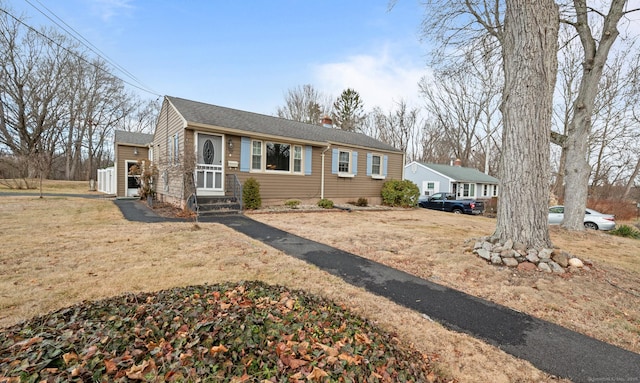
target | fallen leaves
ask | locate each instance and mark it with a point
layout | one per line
(317, 374)
(229, 333)
(217, 349)
(140, 371)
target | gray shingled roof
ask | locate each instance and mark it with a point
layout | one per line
(462, 174)
(132, 138)
(198, 112)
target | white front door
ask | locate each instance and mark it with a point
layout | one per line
(132, 181)
(209, 168)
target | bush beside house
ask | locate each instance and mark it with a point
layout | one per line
(251, 194)
(400, 193)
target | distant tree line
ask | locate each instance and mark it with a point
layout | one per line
(59, 105)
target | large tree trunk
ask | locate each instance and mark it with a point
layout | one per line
(558, 186)
(631, 182)
(577, 167)
(530, 67)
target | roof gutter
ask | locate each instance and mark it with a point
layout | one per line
(257, 135)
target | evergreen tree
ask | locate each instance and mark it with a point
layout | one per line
(348, 111)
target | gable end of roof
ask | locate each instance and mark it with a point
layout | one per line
(461, 174)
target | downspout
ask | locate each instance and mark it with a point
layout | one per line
(322, 172)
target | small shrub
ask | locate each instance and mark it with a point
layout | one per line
(325, 203)
(400, 193)
(148, 173)
(292, 203)
(251, 194)
(626, 231)
(362, 202)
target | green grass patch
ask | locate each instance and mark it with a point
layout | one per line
(625, 231)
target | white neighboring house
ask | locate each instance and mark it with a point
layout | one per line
(466, 183)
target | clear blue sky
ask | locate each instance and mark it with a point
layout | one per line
(247, 54)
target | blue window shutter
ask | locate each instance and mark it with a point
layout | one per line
(369, 163)
(354, 162)
(385, 159)
(245, 154)
(308, 150)
(335, 153)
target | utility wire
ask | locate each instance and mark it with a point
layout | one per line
(82, 40)
(75, 54)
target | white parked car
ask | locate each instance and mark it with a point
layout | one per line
(592, 219)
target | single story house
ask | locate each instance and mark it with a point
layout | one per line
(129, 148)
(209, 150)
(466, 183)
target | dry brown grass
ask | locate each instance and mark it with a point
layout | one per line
(58, 251)
(603, 303)
(48, 186)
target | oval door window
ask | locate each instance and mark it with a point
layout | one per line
(208, 152)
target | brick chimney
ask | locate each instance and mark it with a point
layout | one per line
(457, 162)
(327, 122)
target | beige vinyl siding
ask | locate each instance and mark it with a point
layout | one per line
(276, 187)
(232, 154)
(126, 153)
(361, 185)
(395, 166)
(170, 172)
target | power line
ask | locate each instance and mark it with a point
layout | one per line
(140, 86)
(82, 40)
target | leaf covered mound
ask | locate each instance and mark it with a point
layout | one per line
(244, 332)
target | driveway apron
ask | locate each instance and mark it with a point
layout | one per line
(549, 347)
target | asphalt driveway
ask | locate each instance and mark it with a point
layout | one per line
(551, 348)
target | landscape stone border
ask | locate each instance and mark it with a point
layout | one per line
(517, 255)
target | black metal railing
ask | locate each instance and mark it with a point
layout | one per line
(234, 187)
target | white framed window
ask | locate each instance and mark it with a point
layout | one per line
(344, 162)
(256, 155)
(468, 190)
(485, 190)
(376, 165)
(430, 187)
(278, 156)
(495, 190)
(297, 159)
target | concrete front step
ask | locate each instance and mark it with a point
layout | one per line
(218, 205)
(219, 212)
